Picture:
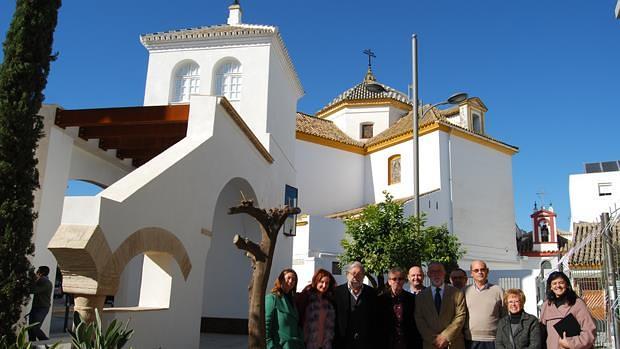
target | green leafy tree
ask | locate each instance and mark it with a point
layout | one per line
(381, 237)
(23, 76)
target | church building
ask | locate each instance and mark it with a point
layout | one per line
(219, 123)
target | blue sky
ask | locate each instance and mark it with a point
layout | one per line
(547, 70)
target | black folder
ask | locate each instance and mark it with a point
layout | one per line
(568, 324)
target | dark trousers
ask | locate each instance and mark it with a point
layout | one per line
(37, 314)
(479, 345)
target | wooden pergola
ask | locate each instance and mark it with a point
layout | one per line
(138, 133)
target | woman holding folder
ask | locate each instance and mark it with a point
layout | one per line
(565, 316)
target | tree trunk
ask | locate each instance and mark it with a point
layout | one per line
(380, 281)
(261, 257)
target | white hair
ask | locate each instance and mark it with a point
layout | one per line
(355, 264)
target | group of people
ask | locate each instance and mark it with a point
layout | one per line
(408, 315)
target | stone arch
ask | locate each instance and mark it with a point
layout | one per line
(227, 270)
(152, 240)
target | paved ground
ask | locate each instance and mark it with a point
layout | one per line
(222, 341)
(207, 340)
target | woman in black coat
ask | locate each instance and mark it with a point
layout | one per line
(518, 329)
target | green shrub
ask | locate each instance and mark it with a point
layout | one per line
(22, 340)
(91, 336)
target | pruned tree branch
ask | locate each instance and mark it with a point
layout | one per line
(250, 246)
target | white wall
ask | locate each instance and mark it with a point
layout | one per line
(482, 198)
(316, 246)
(430, 169)
(585, 203)
(254, 60)
(177, 191)
(62, 157)
(324, 175)
(350, 118)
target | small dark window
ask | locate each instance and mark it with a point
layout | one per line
(366, 131)
(604, 189)
(336, 270)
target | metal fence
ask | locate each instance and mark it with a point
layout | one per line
(595, 278)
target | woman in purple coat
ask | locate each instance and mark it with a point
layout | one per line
(561, 301)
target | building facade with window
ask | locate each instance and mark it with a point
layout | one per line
(360, 145)
(594, 192)
(219, 125)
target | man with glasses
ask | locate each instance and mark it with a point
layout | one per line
(440, 312)
(356, 311)
(397, 308)
(485, 303)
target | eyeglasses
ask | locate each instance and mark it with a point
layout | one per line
(482, 270)
(397, 279)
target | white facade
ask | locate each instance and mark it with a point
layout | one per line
(381, 117)
(592, 194)
(162, 230)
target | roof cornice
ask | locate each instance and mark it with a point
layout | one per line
(223, 36)
(408, 135)
(362, 103)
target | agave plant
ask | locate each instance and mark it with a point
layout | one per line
(22, 340)
(92, 336)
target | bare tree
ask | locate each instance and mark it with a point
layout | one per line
(261, 256)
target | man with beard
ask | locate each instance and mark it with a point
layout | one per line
(356, 312)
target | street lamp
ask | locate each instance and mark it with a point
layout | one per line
(456, 98)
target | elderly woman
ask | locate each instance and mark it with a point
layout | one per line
(561, 301)
(281, 317)
(317, 313)
(518, 329)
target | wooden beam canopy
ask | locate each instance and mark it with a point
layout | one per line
(139, 133)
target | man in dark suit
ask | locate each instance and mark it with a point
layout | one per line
(356, 312)
(440, 312)
(397, 307)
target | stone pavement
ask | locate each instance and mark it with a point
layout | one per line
(223, 341)
(207, 341)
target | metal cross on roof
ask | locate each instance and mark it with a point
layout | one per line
(236, 2)
(541, 196)
(370, 56)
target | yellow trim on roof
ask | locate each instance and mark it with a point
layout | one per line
(362, 102)
(404, 137)
(484, 141)
(329, 143)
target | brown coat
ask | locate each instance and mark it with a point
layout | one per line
(550, 315)
(449, 322)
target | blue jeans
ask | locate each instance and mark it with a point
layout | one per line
(37, 314)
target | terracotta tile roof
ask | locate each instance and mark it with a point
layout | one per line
(591, 255)
(358, 210)
(323, 128)
(359, 92)
(405, 124)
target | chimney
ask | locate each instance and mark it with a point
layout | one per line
(234, 16)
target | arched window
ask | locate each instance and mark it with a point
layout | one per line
(186, 82)
(229, 80)
(394, 169)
